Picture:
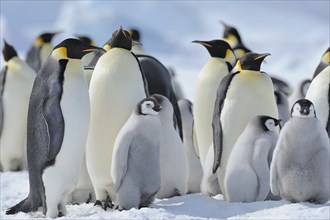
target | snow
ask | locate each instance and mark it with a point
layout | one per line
(296, 33)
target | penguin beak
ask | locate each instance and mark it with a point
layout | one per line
(136, 43)
(262, 56)
(202, 43)
(157, 108)
(304, 111)
(277, 122)
(223, 23)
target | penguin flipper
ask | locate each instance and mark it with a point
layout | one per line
(33, 59)
(97, 54)
(2, 85)
(145, 82)
(53, 117)
(216, 122)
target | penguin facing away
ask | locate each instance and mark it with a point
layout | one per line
(135, 165)
(40, 50)
(220, 63)
(240, 97)
(248, 161)
(173, 160)
(117, 85)
(58, 119)
(16, 81)
(299, 170)
(195, 171)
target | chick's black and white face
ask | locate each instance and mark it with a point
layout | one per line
(270, 124)
(149, 108)
(303, 109)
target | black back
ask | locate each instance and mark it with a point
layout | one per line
(3, 74)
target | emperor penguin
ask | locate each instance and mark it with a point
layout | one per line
(136, 37)
(220, 63)
(58, 119)
(240, 97)
(299, 170)
(135, 167)
(16, 81)
(232, 36)
(319, 94)
(173, 160)
(159, 82)
(195, 171)
(325, 62)
(40, 50)
(117, 85)
(248, 161)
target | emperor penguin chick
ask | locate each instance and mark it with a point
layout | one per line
(299, 170)
(16, 81)
(248, 161)
(135, 167)
(58, 119)
(173, 161)
(195, 171)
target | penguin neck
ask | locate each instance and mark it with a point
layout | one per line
(250, 73)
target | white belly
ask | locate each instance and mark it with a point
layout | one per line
(205, 95)
(115, 88)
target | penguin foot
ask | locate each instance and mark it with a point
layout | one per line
(60, 214)
(104, 204)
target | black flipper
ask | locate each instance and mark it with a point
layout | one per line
(3, 74)
(145, 82)
(91, 65)
(33, 58)
(216, 123)
(328, 123)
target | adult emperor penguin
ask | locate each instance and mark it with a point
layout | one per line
(16, 81)
(220, 63)
(300, 167)
(58, 119)
(325, 62)
(195, 171)
(231, 35)
(240, 97)
(248, 161)
(173, 160)
(319, 94)
(40, 51)
(136, 157)
(117, 85)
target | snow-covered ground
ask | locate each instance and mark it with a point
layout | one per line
(296, 33)
(14, 188)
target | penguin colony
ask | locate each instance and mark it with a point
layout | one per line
(105, 125)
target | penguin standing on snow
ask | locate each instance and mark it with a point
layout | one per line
(40, 51)
(135, 166)
(319, 92)
(16, 81)
(240, 97)
(195, 171)
(299, 170)
(117, 85)
(248, 161)
(220, 63)
(58, 119)
(173, 161)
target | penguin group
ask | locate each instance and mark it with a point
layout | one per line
(110, 125)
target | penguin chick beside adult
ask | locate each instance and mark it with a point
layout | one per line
(195, 171)
(299, 170)
(240, 97)
(58, 119)
(319, 94)
(135, 167)
(173, 160)
(40, 50)
(220, 63)
(248, 161)
(16, 81)
(117, 85)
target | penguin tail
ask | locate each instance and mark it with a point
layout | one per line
(24, 206)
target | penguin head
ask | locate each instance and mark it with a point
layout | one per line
(326, 57)
(135, 34)
(148, 106)
(268, 123)
(86, 40)
(303, 108)
(73, 49)
(44, 38)
(167, 108)
(231, 35)
(251, 61)
(121, 39)
(8, 52)
(220, 49)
